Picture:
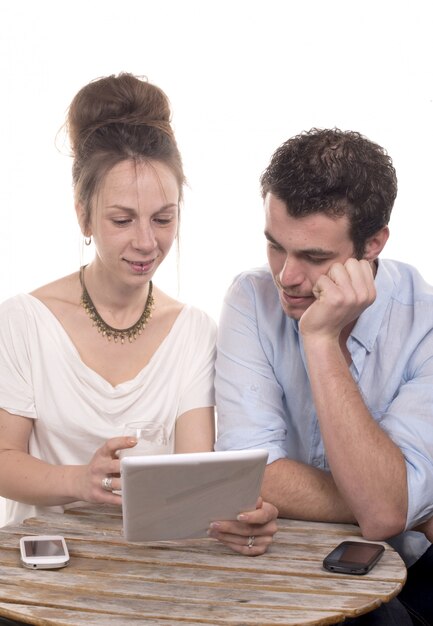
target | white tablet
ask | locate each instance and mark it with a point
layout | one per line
(177, 496)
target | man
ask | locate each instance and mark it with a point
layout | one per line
(325, 357)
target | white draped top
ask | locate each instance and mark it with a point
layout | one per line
(74, 409)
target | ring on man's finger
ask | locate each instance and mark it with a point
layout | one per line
(107, 483)
(251, 540)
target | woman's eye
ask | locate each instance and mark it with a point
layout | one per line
(121, 222)
(163, 221)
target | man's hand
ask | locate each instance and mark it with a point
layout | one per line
(341, 296)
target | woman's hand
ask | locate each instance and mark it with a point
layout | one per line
(253, 531)
(104, 468)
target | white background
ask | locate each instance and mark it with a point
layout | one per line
(242, 76)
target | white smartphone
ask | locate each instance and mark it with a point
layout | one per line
(44, 552)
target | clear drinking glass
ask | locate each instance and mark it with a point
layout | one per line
(151, 439)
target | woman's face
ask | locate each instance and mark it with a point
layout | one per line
(134, 219)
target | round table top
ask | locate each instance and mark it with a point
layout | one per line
(110, 582)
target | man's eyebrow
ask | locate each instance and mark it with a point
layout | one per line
(270, 238)
(320, 252)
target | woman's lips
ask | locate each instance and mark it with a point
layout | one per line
(141, 266)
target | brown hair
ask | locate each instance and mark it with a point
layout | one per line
(337, 173)
(114, 119)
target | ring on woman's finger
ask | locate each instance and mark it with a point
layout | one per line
(251, 540)
(107, 483)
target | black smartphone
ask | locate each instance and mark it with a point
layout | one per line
(353, 557)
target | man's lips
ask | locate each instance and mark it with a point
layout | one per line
(292, 298)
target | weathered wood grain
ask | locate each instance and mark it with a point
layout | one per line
(110, 581)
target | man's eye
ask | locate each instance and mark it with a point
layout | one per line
(316, 260)
(275, 246)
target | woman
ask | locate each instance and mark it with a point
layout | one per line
(83, 355)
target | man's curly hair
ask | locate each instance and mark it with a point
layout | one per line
(337, 173)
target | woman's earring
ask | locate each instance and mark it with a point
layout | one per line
(88, 240)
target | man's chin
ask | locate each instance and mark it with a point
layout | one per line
(295, 313)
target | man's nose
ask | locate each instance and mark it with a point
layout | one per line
(291, 273)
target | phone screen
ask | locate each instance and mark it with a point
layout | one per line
(43, 547)
(353, 557)
(361, 553)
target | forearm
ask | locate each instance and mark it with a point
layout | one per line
(368, 468)
(427, 529)
(29, 480)
(300, 491)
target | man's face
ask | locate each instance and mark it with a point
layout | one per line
(300, 249)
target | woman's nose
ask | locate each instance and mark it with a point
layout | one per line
(144, 237)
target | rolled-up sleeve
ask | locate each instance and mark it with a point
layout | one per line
(16, 385)
(197, 370)
(248, 396)
(409, 422)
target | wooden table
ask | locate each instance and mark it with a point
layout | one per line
(109, 582)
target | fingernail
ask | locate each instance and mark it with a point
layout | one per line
(242, 517)
(132, 441)
(215, 525)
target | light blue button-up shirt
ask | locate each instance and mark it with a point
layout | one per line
(263, 392)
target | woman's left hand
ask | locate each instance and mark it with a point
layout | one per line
(253, 531)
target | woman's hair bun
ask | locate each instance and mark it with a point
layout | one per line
(116, 118)
(122, 99)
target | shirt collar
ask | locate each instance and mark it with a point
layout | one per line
(369, 322)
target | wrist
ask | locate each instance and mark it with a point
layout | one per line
(326, 355)
(320, 342)
(71, 478)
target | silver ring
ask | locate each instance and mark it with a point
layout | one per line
(251, 540)
(107, 483)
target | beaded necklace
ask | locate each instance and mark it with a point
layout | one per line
(131, 333)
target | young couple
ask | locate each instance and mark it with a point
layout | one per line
(325, 356)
